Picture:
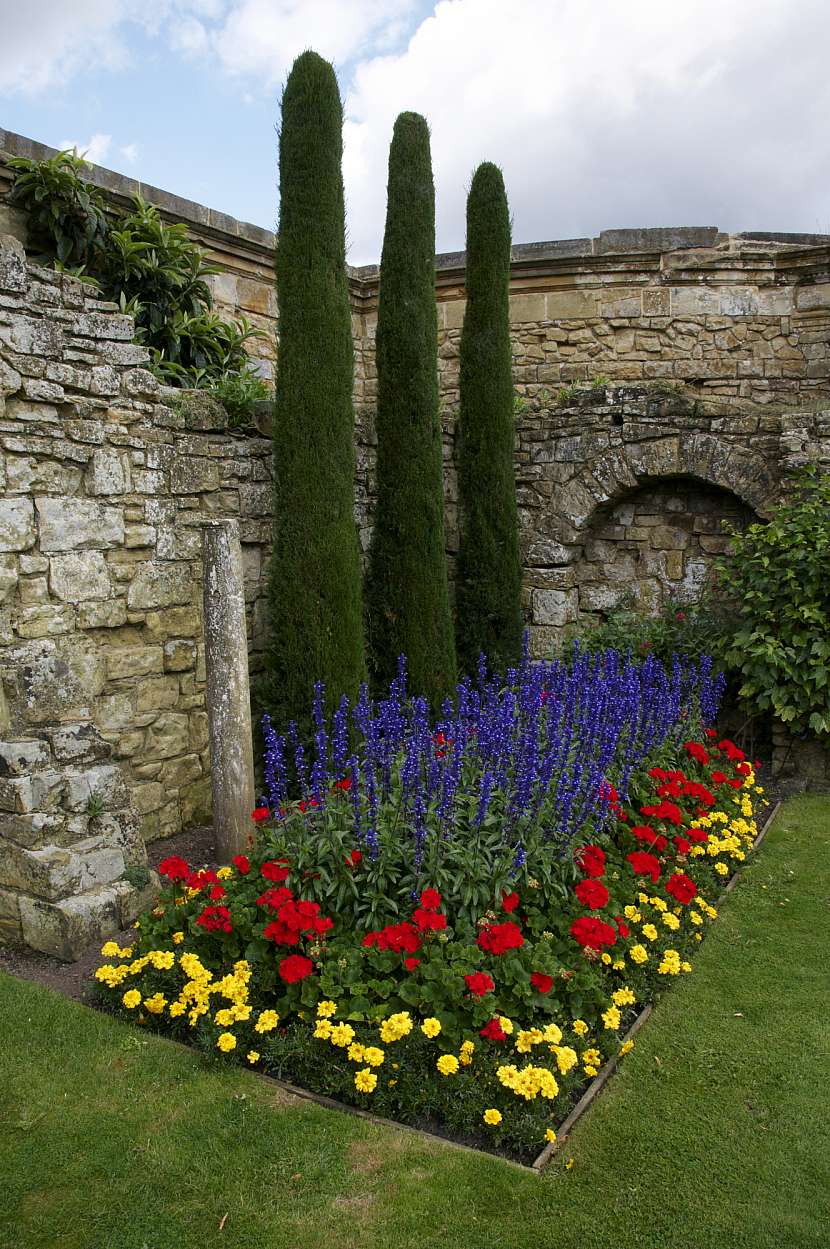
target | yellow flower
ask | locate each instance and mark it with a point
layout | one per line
(671, 921)
(623, 997)
(580, 1027)
(684, 966)
(619, 965)
(447, 1064)
(506, 1024)
(669, 964)
(527, 1038)
(226, 1042)
(550, 1135)
(267, 1022)
(155, 1004)
(639, 953)
(566, 1058)
(131, 998)
(431, 1027)
(178, 938)
(224, 1018)
(355, 1052)
(224, 872)
(326, 1009)
(342, 1034)
(374, 1056)
(606, 958)
(591, 1071)
(365, 1080)
(633, 914)
(626, 1048)
(650, 932)
(252, 1056)
(695, 918)
(492, 1116)
(611, 1018)
(569, 1165)
(722, 869)
(396, 1027)
(176, 1009)
(323, 1030)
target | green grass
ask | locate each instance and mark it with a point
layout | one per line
(714, 1133)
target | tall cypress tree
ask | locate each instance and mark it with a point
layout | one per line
(315, 597)
(407, 593)
(488, 591)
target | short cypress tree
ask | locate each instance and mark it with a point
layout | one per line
(315, 593)
(489, 577)
(407, 592)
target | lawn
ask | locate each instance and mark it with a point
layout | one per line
(716, 1131)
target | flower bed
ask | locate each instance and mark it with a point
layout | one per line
(452, 923)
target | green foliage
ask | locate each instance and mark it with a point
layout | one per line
(137, 875)
(775, 581)
(688, 630)
(489, 580)
(407, 593)
(66, 214)
(152, 270)
(316, 629)
(239, 393)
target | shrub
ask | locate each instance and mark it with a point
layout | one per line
(775, 582)
(685, 629)
(67, 215)
(407, 593)
(489, 576)
(315, 603)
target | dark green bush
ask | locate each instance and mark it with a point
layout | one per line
(315, 600)
(684, 629)
(407, 593)
(67, 215)
(489, 580)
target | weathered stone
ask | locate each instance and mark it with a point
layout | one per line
(66, 928)
(77, 743)
(178, 772)
(78, 576)
(108, 472)
(102, 785)
(56, 679)
(193, 475)
(108, 614)
(44, 622)
(179, 655)
(160, 585)
(13, 276)
(8, 576)
(168, 736)
(21, 757)
(17, 524)
(157, 694)
(73, 524)
(139, 535)
(133, 661)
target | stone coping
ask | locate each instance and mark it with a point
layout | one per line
(609, 243)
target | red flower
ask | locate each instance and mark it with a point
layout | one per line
(509, 902)
(644, 864)
(743, 768)
(400, 938)
(260, 814)
(215, 919)
(411, 963)
(295, 967)
(242, 864)
(591, 860)
(201, 879)
(593, 933)
(664, 811)
(698, 835)
(731, 751)
(710, 732)
(493, 1031)
(354, 858)
(275, 869)
(696, 751)
(304, 806)
(216, 893)
(429, 921)
(345, 784)
(175, 868)
(431, 899)
(541, 982)
(622, 926)
(479, 983)
(681, 887)
(718, 777)
(499, 938)
(681, 845)
(274, 898)
(592, 893)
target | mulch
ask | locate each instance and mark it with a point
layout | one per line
(74, 980)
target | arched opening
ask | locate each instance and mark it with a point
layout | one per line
(655, 544)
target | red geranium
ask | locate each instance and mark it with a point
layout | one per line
(509, 902)
(201, 879)
(593, 933)
(216, 893)
(664, 811)
(429, 921)
(402, 938)
(174, 867)
(649, 836)
(479, 983)
(681, 845)
(431, 899)
(493, 1031)
(591, 860)
(499, 938)
(215, 919)
(592, 893)
(644, 864)
(295, 967)
(622, 926)
(411, 963)
(354, 858)
(275, 869)
(242, 864)
(541, 982)
(345, 784)
(698, 835)
(260, 814)
(681, 887)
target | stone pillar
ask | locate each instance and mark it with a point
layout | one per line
(227, 693)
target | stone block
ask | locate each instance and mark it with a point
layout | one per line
(36, 336)
(160, 585)
(168, 736)
(108, 472)
(13, 276)
(56, 678)
(77, 743)
(17, 524)
(193, 474)
(107, 614)
(179, 655)
(78, 524)
(115, 711)
(133, 661)
(105, 781)
(157, 694)
(11, 930)
(553, 607)
(104, 325)
(66, 928)
(8, 576)
(139, 535)
(178, 772)
(45, 621)
(146, 797)
(602, 598)
(195, 801)
(22, 757)
(34, 830)
(78, 576)
(199, 730)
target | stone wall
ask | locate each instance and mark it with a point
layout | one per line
(103, 731)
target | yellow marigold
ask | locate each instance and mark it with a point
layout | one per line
(162, 960)
(226, 1042)
(224, 872)
(325, 1010)
(684, 966)
(374, 1056)
(633, 914)
(267, 1022)
(527, 1038)
(241, 1011)
(447, 1064)
(592, 1056)
(658, 904)
(431, 1027)
(623, 997)
(224, 1018)
(492, 1116)
(611, 1018)
(253, 1056)
(552, 1034)
(606, 958)
(131, 999)
(550, 1135)
(342, 1034)
(396, 1027)
(468, 1047)
(178, 938)
(506, 1024)
(591, 1071)
(176, 1009)
(323, 1029)
(626, 1048)
(722, 869)
(566, 1058)
(619, 964)
(355, 1052)
(649, 931)
(580, 1027)
(365, 1080)
(669, 964)
(155, 1004)
(671, 921)
(639, 953)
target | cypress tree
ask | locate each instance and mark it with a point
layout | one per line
(407, 592)
(489, 580)
(315, 596)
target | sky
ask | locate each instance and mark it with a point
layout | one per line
(602, 114)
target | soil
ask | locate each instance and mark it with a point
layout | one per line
(74, 980)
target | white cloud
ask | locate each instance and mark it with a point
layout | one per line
(130, 152)
(605, 114)
(48, 41)
(94, 150)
